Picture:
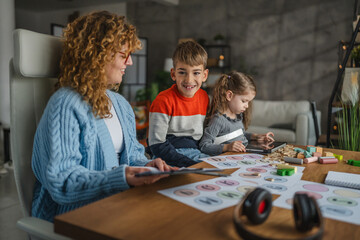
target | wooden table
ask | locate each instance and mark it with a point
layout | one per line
(142, 213)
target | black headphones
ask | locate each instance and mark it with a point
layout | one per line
(256, 206)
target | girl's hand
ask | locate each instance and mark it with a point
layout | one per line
(268, 137)
(235, 146)
(132, 180)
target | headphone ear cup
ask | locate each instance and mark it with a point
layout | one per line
(305, 213)
(257, 205)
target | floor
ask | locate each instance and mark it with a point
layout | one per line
(10, 210)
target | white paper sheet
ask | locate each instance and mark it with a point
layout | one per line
(342, 204)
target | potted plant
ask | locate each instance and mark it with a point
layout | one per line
(349, 117)
(219, 39)
(355, 55)
(202, 41)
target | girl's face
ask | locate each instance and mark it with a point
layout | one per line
(115, 70)
(238, 103)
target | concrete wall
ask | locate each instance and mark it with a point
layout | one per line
(41, 21)
(292, 45)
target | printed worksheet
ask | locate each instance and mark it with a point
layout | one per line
(218, 193)
(235, 161)
(210, 195)
(342, 204)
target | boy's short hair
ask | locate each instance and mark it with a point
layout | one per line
(191, 53)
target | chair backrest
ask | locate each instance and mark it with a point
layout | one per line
(33, 73)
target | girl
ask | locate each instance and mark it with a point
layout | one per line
(229, 115)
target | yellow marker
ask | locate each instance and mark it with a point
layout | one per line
(283, 166)
(339, 157)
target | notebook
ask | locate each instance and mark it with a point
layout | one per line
(342, 179)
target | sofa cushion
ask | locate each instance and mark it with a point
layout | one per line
(281, 135)
(272, 113)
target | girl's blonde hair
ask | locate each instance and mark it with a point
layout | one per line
(90, 42)
(238, 83)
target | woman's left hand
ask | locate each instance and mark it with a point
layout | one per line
(161, 165)
(132, 180)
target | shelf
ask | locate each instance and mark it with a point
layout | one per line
(215, 52)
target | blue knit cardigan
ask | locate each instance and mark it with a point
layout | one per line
(74, 160)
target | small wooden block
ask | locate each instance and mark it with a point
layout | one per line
(328, 154)
(299, 150)
(319, 149)
(286, 166)
(317, 154)
(310, 148)
(300, 155)
(307, 154)
(283, 172)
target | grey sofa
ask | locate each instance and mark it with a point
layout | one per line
(290, 121)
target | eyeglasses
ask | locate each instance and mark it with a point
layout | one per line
(126, 56)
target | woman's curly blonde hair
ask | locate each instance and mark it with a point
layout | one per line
(89, 44)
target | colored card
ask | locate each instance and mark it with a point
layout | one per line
(210, 195)
(235, 161)
(342, 204)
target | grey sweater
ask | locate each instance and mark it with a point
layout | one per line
(218, 126)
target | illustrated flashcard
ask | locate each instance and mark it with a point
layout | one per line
(210, 195)
(265, 176)
(342, 204)
(235, 161)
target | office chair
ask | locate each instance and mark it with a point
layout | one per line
(33, 73)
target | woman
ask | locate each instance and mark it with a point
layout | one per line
(85, 146)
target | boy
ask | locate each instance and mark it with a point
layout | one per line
(177, 114)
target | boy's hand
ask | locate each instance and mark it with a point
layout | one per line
(235, 146)
(267, 138)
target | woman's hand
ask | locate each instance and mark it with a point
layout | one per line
(265, 138)
(235, 146)
(161, 165)
(132, 180)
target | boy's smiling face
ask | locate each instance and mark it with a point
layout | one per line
(188, 78)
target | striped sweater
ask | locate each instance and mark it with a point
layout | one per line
(176, 122)
(74, 160)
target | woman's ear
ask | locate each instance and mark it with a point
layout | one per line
(229, 95)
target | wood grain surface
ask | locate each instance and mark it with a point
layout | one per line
(143, 213)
